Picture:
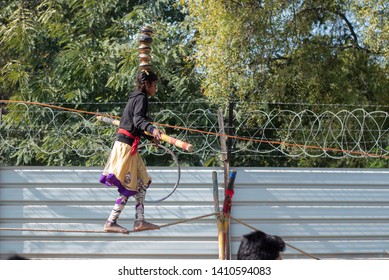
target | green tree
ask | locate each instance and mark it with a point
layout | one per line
(271, 50)
(292, 52)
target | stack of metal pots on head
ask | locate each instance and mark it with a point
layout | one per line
(144, 48)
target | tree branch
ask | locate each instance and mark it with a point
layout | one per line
(345, 19)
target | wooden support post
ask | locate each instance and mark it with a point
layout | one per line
(229, 177)
(227, 204)
(230, 129)
(223, 146)
(218, 216)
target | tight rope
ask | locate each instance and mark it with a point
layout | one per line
(287, 244)
(102, 231)
(162, 226)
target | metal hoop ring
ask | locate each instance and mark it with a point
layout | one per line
(178, 170)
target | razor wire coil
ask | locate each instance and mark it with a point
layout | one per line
(341, 134)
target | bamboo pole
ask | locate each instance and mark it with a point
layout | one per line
(218, 217)
(171, 140)
(227, 204)
(223, 146)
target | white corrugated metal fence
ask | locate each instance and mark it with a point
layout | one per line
(329, 213)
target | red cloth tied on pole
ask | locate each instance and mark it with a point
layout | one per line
(228, 201)
(229, 193)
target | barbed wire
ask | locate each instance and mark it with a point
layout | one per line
(345, 133)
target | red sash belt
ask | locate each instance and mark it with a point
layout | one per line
(134, 146)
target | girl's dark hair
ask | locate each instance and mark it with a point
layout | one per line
(144, 77)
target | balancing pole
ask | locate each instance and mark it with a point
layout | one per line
(166, 138)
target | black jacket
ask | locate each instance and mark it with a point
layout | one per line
(134, 118)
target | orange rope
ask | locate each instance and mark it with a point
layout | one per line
(275, 142)
(58, 107)
(206, 132)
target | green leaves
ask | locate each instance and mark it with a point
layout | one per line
(278, 51)
(15, 74)
(20, 32)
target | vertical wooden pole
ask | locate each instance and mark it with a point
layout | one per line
(230, 128)
(223, 146)
(226, 166)
(218, 216)
(227, 204)
(229, 176)
(229, 161)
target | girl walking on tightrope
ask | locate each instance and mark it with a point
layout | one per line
(125, 168)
